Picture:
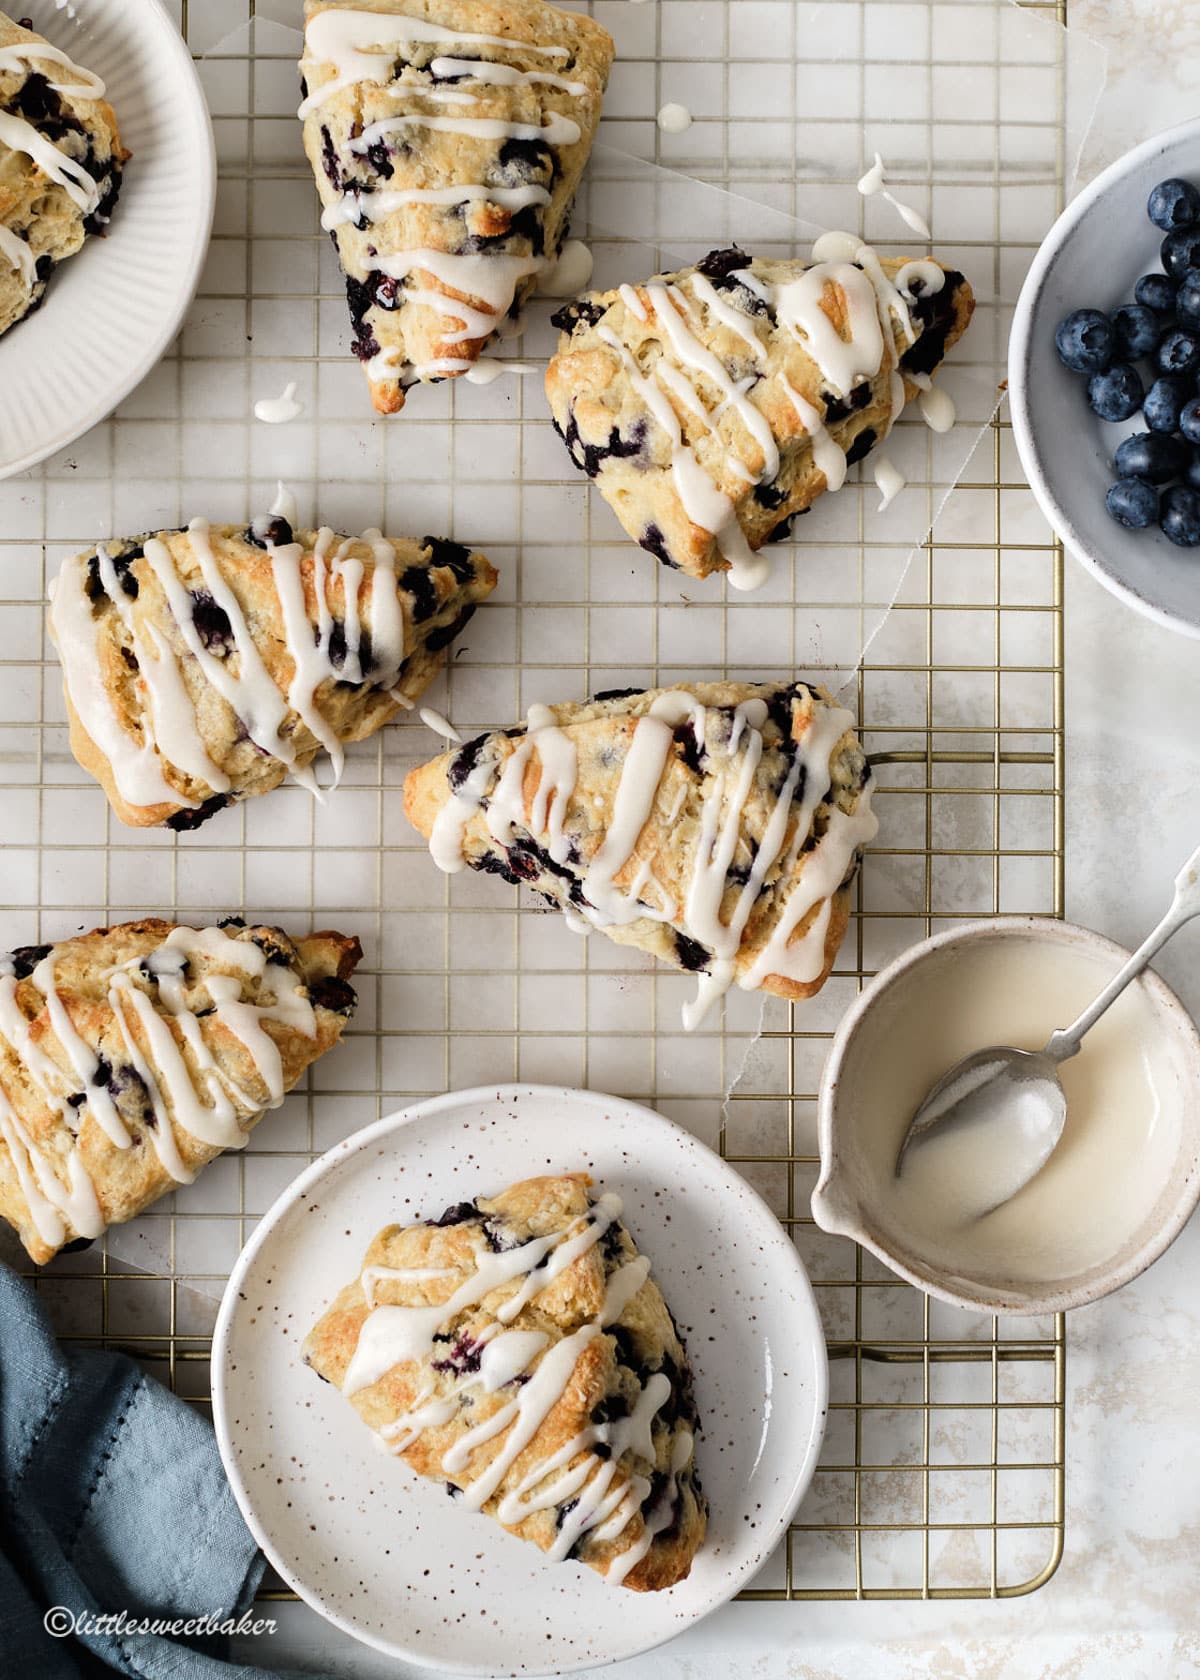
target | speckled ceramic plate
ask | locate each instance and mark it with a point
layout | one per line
(111, 311)
(384, 1554)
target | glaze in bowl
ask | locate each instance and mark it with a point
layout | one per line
(874, 1079)
(1091, 258)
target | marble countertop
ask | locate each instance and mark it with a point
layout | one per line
(1123, 1601)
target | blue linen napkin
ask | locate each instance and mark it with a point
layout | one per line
(112, 1498)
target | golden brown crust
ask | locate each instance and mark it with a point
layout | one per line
(615, 436)
(437, 587)
(35, 208)
(665, 855)
(52, 1124)
(390, 325)
(611, 1370)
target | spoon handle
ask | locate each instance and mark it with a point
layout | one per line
(1186, 903)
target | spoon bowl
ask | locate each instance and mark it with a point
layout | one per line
(997, 1117)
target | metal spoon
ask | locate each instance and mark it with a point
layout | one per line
(1016, 1095)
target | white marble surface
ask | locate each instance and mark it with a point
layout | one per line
(1123, 1603)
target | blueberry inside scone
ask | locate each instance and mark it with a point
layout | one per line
(203, 665)
(713, 405)
(132, 1056)
(717, 826)
(447, 138)
(60, 164)
(516, 1349)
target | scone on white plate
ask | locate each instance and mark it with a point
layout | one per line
(61, 159)
(717, 826)
(447, 138)
(714, 404)
(517, 1350)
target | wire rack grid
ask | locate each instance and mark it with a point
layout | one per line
(943, 1467)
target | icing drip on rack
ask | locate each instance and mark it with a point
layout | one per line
(476, 290)
(189, 1093)
(604, 902)
(588, 1488)
(872, 183)
(167, 731)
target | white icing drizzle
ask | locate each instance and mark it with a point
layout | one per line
(608, 904)
(603, 1501)
(936, 406)
(888, 479)
(21, 136)
(439, 724)
(828, 455)
(570, 273)
(375, 205)
(284, 505)
(21, 54)
(17, 253)
(632, 301)
(872, 182)
(487, 370)
(277, 411)
(136, 766)
(363, 47)
(557, 130)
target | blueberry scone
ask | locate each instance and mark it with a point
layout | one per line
(447, 138)
(517, 1350)
(60, 164)
(714, 404)
(203, 665)
(131, 1056)
(717, 826)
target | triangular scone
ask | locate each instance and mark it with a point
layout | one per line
(447, 138)
(132, 1056)
(717, 826)
(203, 665)
(714, 404)
(60, 164)
(553, 1391)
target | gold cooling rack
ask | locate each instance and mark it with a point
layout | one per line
(942, 1472)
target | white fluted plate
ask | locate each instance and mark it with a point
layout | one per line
(111, 310)
(381, 1552)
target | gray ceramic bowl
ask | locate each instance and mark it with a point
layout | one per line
(873, 1081)
(1091, 258)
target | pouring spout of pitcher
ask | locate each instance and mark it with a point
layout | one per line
(834, 1205)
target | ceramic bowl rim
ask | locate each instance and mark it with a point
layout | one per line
(1020, 356)
(1184, 1031)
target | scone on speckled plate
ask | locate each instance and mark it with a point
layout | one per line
(714, 404)
(203, 665)
(717, 826)
(447, 138)
(517, 1350)
(60, 164)
(131, 1056)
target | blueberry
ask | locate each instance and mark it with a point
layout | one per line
(1189, 420)
(1117, 394)
(1187, 299)
(1180, 516)
(1138, 330)
(1173, 204)
(1155, 291)
(1191, 473)
(1180, 251)
(1164, 403)
(1152, 456)
(1132, 503)
(1086, 341)
(1179, 352)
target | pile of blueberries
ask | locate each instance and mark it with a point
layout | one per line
(1159, 469)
